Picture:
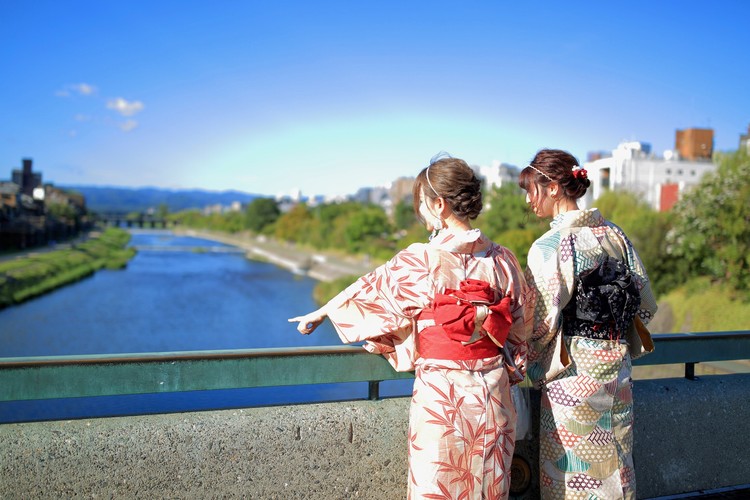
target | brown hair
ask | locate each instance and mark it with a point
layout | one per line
(454, 181)
(554, 165)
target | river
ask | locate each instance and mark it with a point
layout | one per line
(179, 293)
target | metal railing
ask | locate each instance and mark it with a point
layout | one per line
(34, 378)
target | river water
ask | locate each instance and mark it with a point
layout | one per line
(171, 298)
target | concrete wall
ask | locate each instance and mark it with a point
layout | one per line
(690, 435)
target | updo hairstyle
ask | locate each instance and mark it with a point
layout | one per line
(554, 165)
(454, 181)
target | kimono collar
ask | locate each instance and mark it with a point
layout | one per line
(459, 242)
(589, 217)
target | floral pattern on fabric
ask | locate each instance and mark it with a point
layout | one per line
(462, 419)
(382, 307)
(461, 430)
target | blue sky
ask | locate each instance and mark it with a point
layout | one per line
(328, 97)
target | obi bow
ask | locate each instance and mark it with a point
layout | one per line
(471, 311)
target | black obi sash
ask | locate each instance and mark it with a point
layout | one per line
(604, 303)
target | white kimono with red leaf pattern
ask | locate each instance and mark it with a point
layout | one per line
(462, 419)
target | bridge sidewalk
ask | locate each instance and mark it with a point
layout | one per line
(740, 492)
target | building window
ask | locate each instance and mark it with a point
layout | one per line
(679, 172)
(669, 171)
(692, 172)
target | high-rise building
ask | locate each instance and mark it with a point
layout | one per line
(26, 179)
(695, 143)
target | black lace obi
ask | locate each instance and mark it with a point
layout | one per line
(604, 303)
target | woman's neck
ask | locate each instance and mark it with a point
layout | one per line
(564, 206)
(454, 225)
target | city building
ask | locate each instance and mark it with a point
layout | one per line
(32, 214)
(497, 174)
(657, 180)
(695, 143)
(30, 182)
(745, 140)
(401, 190)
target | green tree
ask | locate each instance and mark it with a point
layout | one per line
(162, 211)
(328, 227)
(294, 225)
(711, 232)
(403, 215)
(261, 213)
(519, 241)
(505, 209)
(366, 226)
(647, 229)
(62, 211)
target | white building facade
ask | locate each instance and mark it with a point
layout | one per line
(498, 174)
(633, 168)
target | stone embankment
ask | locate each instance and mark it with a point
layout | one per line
(322, 266)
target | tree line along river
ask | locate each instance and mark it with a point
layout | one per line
(173, 296)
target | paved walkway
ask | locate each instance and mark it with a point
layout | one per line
(320, 265)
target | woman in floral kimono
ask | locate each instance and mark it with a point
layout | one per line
(453, 310)
(591, 292)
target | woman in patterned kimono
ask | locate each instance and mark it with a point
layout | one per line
(591, 291)
(453, 310)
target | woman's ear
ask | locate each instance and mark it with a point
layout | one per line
(443, 209)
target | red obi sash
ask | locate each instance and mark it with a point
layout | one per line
(470, 323)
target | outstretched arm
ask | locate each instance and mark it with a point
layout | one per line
(310, 321)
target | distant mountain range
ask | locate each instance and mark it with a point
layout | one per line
(121, 199)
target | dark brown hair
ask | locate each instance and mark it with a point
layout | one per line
(554, 165)
(454, 181)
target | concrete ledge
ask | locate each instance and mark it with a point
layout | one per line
(690, 435)
(338, 450)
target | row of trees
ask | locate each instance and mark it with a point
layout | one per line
(706, 234)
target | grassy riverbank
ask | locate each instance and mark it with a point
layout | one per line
(37, 273)
(703, 306)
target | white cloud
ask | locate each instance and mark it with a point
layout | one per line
(84, 89)
(125, 107)
(128, 125)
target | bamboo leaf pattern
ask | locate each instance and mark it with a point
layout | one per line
(460, 427)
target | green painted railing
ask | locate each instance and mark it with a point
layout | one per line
(109, 375)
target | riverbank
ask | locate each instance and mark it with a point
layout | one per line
(33, 273)
(319, 265)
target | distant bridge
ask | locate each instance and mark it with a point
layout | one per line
(129, 220)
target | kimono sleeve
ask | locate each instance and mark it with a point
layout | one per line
(550, 275)
(521, 311)
(381, 307)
